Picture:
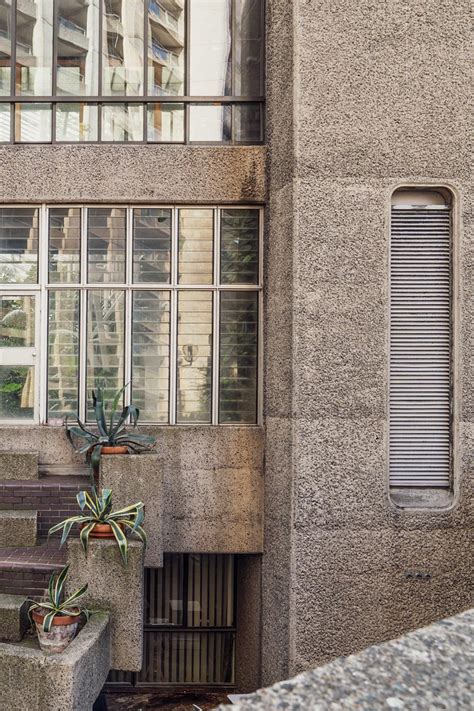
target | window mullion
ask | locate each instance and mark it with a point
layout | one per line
(42, 355)
(128, 308)
(216, 324)
(82, 399)
(173, 317)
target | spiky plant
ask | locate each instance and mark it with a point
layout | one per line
(55, 605)
(97, 509)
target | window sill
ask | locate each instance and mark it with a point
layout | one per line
(421, 498)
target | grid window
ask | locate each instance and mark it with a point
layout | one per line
(142, 71)
(163, 300)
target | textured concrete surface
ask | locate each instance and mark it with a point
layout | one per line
(108, 173)
(33, 681)
(15, 464)
(13, 617)
(374, 99)
(134, 478)
(113, 588)
(18, 528)
(248, 652)
(427, 669)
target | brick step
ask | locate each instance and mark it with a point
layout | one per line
(53, 497)
(13, 617)
(26, 571)
(18, 528)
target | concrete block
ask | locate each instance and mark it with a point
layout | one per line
(133, 478)
(13, 617)
(18, 528)
(18, 465)
(116, 589)
(33, 681)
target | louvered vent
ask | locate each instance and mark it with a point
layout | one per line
(420, 347)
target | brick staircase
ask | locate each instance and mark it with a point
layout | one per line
(32, 499)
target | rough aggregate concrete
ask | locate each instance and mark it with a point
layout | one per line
(18, 528)
(16, 464)
(13, 617)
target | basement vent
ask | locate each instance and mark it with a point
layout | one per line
(420, 340)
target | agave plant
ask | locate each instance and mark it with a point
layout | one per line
(55, 605)
(96, 509)
(111, 430)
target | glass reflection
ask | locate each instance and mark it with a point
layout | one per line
(63, 352)
(210, 123)
(17, 321)
(123, 48)
(151, 245)
(34, 48)
(166, 123)
(18, 245)
(33, 123)
(5, 123)
(5, 47)
(76, 123)
(64, 247)
(122, 122)
(211, 48)
(17, 392)
(248, 123)
(196, 243)
(248, 45)
(78, 47)
(106, 234)
(239, 246)
(165, 49)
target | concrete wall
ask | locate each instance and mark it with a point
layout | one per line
(369, 96)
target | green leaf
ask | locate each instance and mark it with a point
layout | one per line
(75, 596)
(58, 588)
(138, 530)
(84, 536)
(121, 540)
(48, 620)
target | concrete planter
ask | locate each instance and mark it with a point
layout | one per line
(62, 632)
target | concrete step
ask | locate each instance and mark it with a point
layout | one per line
(18, 528)
(19, 465)
(53, 497)
(13, 617)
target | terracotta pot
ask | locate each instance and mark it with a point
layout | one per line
(101, 530)
(62, 632)
(114, 450)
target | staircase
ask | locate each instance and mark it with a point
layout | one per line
(32, 499)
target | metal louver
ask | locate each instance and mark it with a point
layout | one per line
(420, 347)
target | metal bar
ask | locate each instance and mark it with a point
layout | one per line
(125, 99)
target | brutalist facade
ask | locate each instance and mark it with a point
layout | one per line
(362, 99)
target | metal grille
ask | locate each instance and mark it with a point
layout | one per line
(420, 347)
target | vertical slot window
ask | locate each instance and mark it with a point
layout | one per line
(106, 238)
(196, 246)
(63, 352)
(64, 245)
(19, 245)
(151, 245)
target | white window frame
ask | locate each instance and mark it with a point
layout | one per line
(42, 289)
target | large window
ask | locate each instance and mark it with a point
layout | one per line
(421, 316)
(155, 71)
(162, 300)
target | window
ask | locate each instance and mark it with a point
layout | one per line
(141, 71)
(421, 339)
(189, 624)
(164, 300)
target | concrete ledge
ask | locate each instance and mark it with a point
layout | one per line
(133, 478)
(114, 588)
(18, 465)
(18, 528)
(33, 681)
(427, 669)
(13, 617)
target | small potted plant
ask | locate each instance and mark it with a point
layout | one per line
(97, 520)
(55, 618)
(112, 436)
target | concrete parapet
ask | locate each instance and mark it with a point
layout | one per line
(18, 465)
(13, 617)
(115, 588)
(133, 478)
(33, 681)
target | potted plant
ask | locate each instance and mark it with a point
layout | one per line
(97, 520)
(112, 436)
(55, 618)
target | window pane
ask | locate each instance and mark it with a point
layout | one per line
(194, 376)
(248, 123)
(5, 47)
(210, 48)
(76, 122)
(248, 48)
(106, 233)
(122, 122)
(151, 354)
(166, 123)
(151, 245)
(4, 123)
(64, 245)
(78, 47)
(123, 48)
(210, 123)
(63, 352)
(33, 123)
(238, 357)
(196, 239)
(105, 343)
(17, 392)
(18, 245)
(17, 321)
(165, 50)
(239, 246)
(34, 48)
